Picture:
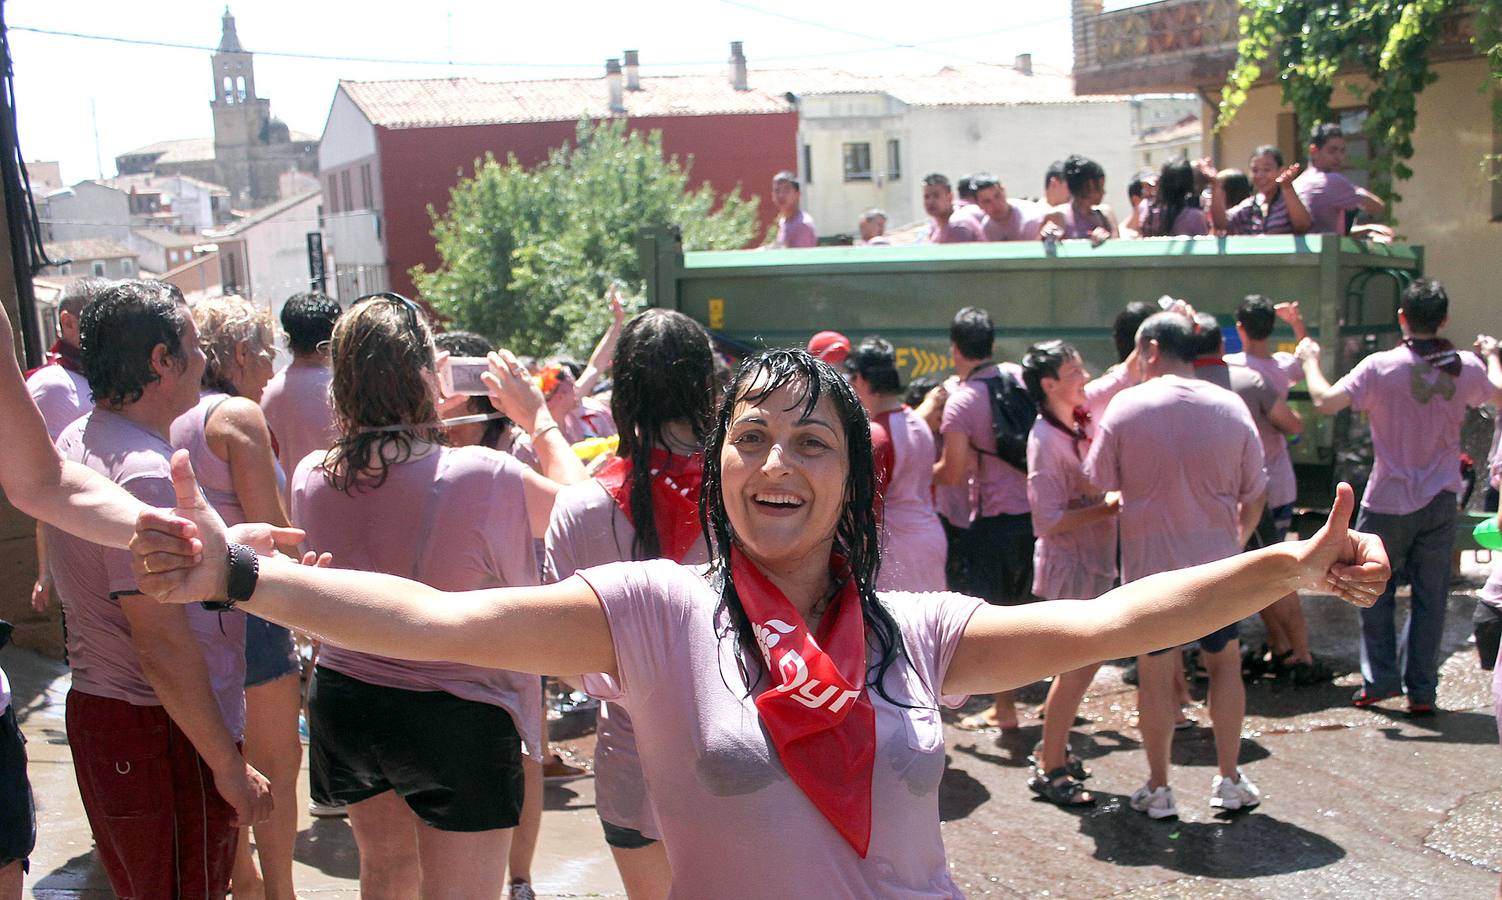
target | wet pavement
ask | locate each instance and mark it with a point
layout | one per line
(1357, 803)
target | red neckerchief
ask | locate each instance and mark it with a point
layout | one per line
(1437, 352)
(675, 497)
(1078, 434)
(817, 710)
(61, 354)
(1208, 361)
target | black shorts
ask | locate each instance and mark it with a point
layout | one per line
(18, 822)
(1214, 642)
(993, 559)
(457, 762)
(623, 838)
(1486, 625)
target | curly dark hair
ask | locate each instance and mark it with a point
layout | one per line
(663, 372)
(118, 332)
(856, 536)
(308, 318)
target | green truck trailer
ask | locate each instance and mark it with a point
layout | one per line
(1348, 292)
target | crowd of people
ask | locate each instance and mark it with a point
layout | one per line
(1183, 199)
(773, 583)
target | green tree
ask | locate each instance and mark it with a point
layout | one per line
(527, 255)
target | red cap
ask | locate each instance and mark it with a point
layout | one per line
(830, 346)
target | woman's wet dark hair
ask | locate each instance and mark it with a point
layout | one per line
(664, 372)
(856, 536)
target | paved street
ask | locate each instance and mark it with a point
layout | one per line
(1358, 803)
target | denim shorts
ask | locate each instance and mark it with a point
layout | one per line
(270, 652)
(623, 838)
(1214, 642)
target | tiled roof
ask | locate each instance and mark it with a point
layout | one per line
(146, 181)
(1187, 128)
(184, 150)
(88, 248)
(968, 85)
(169, 239)
(257, 216)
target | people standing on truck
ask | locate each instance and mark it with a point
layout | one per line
(913, 546)
(1143, 186)
(1082, 216)
(947, 225)
(1176, 210)
(643, 505)
(1274, 206)
(873, 228)
(1181, 509)
(965, 202)
(795, 228)
(1415, 396)
(1055, 185)
(996, 550)
(1005, 219)
(1330, 197)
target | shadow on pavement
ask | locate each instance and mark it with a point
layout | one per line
(960, 794)
(1443, 728)
(328, 845)
(77, 874)
(1196, 747)
(1236, 845)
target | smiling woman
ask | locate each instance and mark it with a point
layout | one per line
(787, 714)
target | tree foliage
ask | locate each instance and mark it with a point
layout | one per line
(1304, 45)
(527, 255)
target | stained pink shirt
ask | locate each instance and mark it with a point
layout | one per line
(1184, 454)
(455, 519)
(1327, 195)
(734, 824)
(1021, 225)
(588, 529)
(100, 650)
(1281, 372)
(961, 228)
(1079, 564)
(1416, 412)
(299, 413)
(913, 546)
(1001, 488)
(590, 418)
(796, 231)
(61, 394)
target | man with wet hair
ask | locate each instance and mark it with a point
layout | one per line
(296, 400)
(795, 228)
(948, 225)
(1328, 195)
(1005, 219)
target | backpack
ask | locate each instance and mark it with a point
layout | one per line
(1012, 415)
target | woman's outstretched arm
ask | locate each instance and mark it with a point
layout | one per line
(1007, 647)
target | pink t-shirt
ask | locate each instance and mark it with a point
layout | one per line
(796, 231)
(213, 473)
(1100, 391)
(61, 394)
(590, 418)
(1495, 466)
(1002, 489)
(588, 529)
(298, 411)
(961, 228)
(1190, 222)
(1178, 508)
(1415, 412)
(734, 824)
(913, 546)
(1079, 564)
(100, 650)
(1250, 217)
(455, 519)
(1327, 195)
(1022, 225)
(1281, 372)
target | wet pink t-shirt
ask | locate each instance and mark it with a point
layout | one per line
(297, 407)
(1184, 454)
(734, 824)
(1079, 564)
(1415, 412)
(1002, 488)
(213, 473)
(1327, 195)
(588, 529)
(1280, 372)
(100, 650)
(913, 546)
(61, 394)
(961, 228)
(796, 231)
(455, 519)
(1021, 225)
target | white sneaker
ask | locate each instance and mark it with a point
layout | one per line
(1239, 794)
(1158, 804)
(327, 810)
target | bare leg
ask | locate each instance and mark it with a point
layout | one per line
(1275, 617)
(1004, 711)
(1227, 705)
(10, 881)
(524, 840)
(460, 865)
(386, 834)
(245, 879)
(272, 746)
(1064, 697)
(1295, 626)
(1181, 695)
(1155, 712)
(644, 871)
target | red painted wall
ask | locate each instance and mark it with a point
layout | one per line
(418, 166)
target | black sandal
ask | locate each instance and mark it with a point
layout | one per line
(1060, 789)
(1073, 765)
(1307, 674)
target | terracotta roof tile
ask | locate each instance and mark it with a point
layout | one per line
(88, 248)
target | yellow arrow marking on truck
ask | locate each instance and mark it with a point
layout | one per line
(717, 313)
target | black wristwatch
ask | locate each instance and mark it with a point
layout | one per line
(244, 569)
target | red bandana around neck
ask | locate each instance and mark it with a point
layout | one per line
(675, 497)
(1437, 352)
(1079, 434)
(817, 711)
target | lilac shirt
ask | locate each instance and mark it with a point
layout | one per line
(100, 650)
(1021, 225)
(588, 529)
(455, 519)
(1280, 372)
(213, 473)
(298, 411)
(1002, 489)
(1178, 509)
(1415, 412)
(1327, 195)
(734, 824)
(1079, 564)
(1077, 226)
(61, 394)
(796, 231)
(913, 546)
(961, 228)
(1248, 216)
(1190, 222)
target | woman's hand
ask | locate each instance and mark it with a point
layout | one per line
(1285, 178)
(513, 391)
(1350, 564)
